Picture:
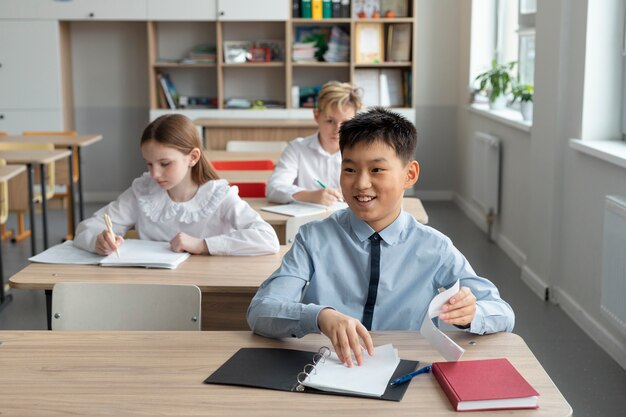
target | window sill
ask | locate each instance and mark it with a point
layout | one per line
(507, 116)
(613, 151)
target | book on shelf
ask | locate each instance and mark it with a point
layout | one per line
(133, 252)
(299, 208)
(169, 90)
(338, 46)
(306, 9)
(295, 9)
(316, 9)
(488, 384)
(345, 8)
(336, 9)
(327, 9)
(197, 102)
(316, 372)
(399, 42)
(383, 87)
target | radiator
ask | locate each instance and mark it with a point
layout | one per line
(614, 261)
(485, 172)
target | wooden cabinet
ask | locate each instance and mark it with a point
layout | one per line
(182, 10)
(30, 76)
(253, 10)
(74, 9)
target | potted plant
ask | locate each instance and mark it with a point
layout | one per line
(524, 93)
(495, 83)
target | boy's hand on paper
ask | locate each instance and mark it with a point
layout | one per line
(182, 242)
(325, 196)
(106, 243)
(460, 308)
(345, 333)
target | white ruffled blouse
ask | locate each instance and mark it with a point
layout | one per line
(228, 224)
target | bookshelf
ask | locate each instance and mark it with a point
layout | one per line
(271, 82)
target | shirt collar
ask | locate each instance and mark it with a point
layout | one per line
(317, 146)
(390, 234)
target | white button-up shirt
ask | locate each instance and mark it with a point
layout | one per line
(303, 161)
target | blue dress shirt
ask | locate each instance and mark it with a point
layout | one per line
(329, 266)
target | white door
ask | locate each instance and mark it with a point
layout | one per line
(248, 10)
(182, 10)
(95, 9)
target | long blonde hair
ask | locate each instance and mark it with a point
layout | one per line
(179, 132)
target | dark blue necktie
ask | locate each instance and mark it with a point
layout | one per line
(368, 310)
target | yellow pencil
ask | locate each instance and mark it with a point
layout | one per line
(107, 221)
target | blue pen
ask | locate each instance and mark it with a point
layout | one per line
(320, 183)
(410, 376)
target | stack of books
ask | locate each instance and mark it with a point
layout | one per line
(201, 54)
(304, 52)
(338, 47)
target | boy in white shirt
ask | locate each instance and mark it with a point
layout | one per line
(315, 159)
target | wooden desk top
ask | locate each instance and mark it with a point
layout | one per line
(161, 373)
(215, 155)
(411, 205)
(210, 273)
(253, 123)
(9, 171)
(57, 140)
(245, 176)
(34, 157)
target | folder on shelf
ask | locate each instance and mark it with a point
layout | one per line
(316, 372)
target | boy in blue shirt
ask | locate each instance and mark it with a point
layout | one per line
(372, 266)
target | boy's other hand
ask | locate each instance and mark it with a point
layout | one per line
(345, 333)
(106, 243)
(460, 308)
(325, 196)
(182, 242)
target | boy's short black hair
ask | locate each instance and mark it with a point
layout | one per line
(380, 124)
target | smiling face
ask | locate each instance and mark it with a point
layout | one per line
(169, 167)
(329, 123)
(373, 180)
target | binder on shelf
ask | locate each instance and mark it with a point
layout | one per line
(316, 372)
(295, 9)
(327, 9)
(345, 8)
(316, 9)
(336, 9)
(399, 42)
(306, 9)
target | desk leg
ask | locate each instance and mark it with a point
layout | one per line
(49, 308)
(80, 187)
(72, 206)
(44, 205)
(4, 299)
(31, 203)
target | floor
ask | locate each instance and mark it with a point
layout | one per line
(592, 382)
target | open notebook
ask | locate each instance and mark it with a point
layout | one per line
(297, 209)
(134, 252)
(311, 372)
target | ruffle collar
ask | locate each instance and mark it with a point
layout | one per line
(157, 205)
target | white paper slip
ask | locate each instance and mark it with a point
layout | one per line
(298, 209)
(67, 253)
(146, 253)
(371, 378)
(440, 341)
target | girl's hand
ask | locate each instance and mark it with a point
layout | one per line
(184, 243)
(106, 243)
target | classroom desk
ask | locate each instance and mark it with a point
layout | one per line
(72, 143)
(279, 221)
(214, 155)
(228, 283)
(162, 373)
(217, 132)
(30, 159)
(6, 173)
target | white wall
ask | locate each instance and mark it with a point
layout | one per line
(556, 221)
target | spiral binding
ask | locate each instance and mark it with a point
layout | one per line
(311, 368)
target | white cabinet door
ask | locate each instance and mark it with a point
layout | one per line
(94, 9)
(30, 68)
(182, 10)
(248, 10)
(15, 122)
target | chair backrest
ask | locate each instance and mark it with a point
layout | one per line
(294, 223)
(250, 189)
(50, 168)
(252, 165)
(255, 146)
(4, 198)
(109, 306)
(62, 169)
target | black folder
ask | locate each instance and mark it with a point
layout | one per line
(278, 369)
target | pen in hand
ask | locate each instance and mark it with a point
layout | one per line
(107, 221)
(410, 376)
(321, 184)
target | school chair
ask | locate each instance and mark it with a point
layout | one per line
(62, 185)
(294, 223)
(255, 146)
(112, 306)
(19, 200)
(246, 189)
(4, 234)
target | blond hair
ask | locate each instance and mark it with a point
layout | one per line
(178, 132)
(337, 95)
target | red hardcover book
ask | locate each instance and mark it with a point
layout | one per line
(490, 384)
